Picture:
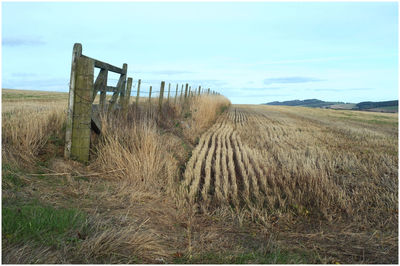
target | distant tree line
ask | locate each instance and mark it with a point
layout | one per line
(370, 105)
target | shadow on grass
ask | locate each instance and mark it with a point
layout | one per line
(275, 257)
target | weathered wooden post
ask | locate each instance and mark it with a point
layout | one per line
(80, 112)
(76, 53)
(208, 91)
(181, 92)
(122, 87)
(138, 92)
(199, 90)
(176, 93)
(186, 90)
(190, 91)
(150, 95)
(161, 96)
(127, 96)
(169, 89)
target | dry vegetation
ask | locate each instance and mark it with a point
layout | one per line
(253, 184)
(309, 171)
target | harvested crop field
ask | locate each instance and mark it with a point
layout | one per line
(325, 179)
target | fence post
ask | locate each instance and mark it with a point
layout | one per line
(103, 93)
(150, 95)
(181, 92)
(76, 53)
(169, 88)
(122, 86)
(128, 95)
(186, 90)
(199, 90)
(161, 96)
(176, 93)
(138, 92)
(82, 109)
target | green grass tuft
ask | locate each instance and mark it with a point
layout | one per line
(42, 224)
(10, 178)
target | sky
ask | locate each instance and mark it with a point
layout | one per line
(251, 52)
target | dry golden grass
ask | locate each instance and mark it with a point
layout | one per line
(134, 173)
(204, 110)
(29, 122)
(138, 151)
(126, 243)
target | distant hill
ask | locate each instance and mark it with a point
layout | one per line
(305, 103)
(385, 106)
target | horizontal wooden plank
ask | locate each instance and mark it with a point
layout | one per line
(103, 65)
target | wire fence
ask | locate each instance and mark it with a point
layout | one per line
(156, 84)
(156, 93)
(84, 93)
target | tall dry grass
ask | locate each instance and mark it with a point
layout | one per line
(139, 154)
(144, 157)
(135, 168)
(204, 110)
(26, 128)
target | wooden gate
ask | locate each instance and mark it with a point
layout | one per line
(82, 92)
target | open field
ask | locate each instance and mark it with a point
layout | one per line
(247, 184)
(390, 109)
(284, 166)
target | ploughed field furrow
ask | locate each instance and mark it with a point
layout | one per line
(224, 165)
(232, 173)
(223, 169)
(195, 169)
(218, 182)
(249, 168)
(238, 116)
(208, 164)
